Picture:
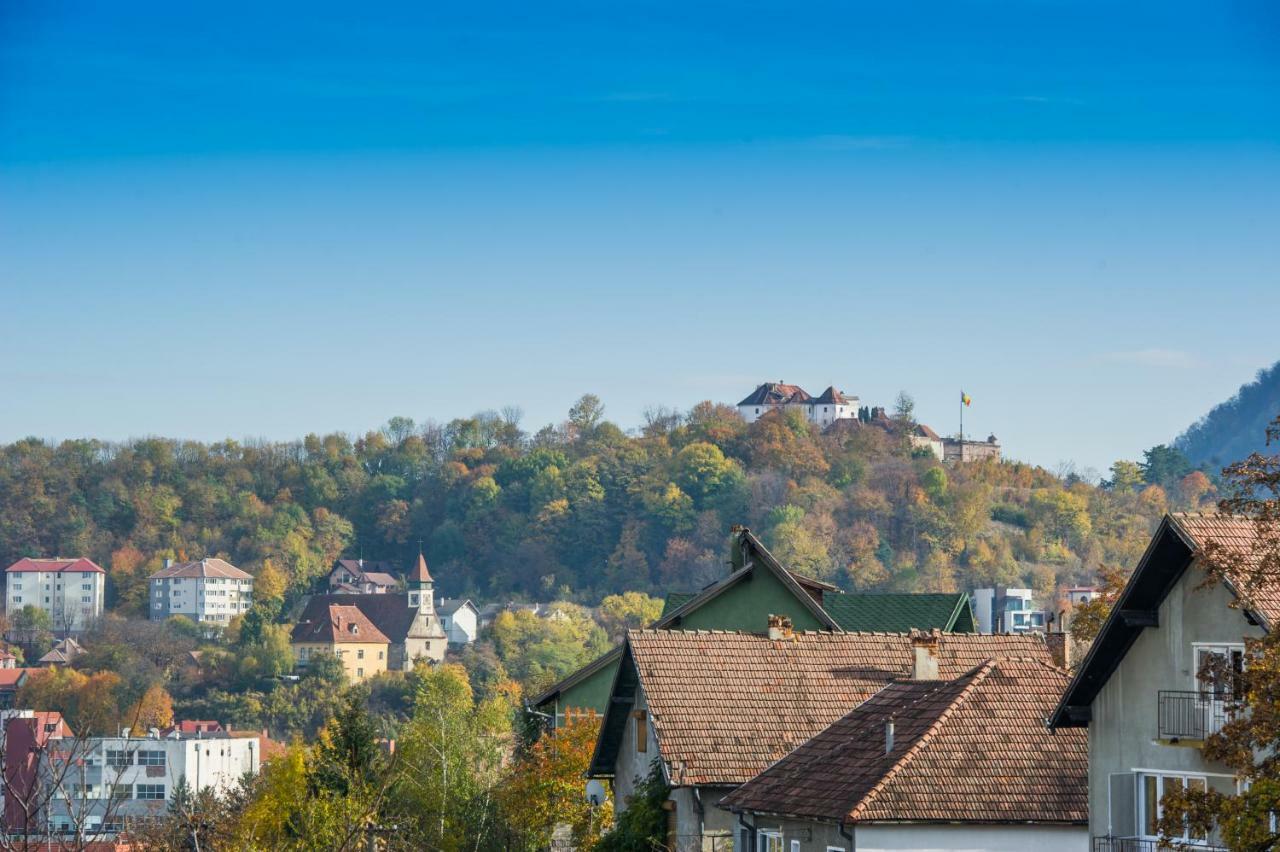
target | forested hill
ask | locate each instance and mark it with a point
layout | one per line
(575, 511)
(1237, 427)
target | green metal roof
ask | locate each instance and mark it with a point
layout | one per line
(675, 600)
(898, 613)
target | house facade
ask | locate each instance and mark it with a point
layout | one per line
(407, 619)
(1141, 691)
(826, 408)
(346, 633)
(207, 591)
(911, 769)
(460, 620)
(70, 590)
(358, 577)
(713, 709)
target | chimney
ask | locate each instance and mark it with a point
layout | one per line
(780, 627)
(1059, 648)
(924, 648)
(888, 735)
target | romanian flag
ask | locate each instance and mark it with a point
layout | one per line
(965, 398)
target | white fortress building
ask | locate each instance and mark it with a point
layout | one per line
(830, 406)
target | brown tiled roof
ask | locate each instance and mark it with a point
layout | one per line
(972, 749)
(726, 705)
(832, 396)
(775, 393)
(54, 565)
(343, 625)
(212, 567)
(1238, 537)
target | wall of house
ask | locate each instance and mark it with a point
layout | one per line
(590, 693)
(748, 605)
(375, 657)
(1123, 734)
(821, 837)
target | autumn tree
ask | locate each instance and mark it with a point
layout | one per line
(545, 787)
(619, 613)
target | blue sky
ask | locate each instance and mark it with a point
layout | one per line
(272, 219)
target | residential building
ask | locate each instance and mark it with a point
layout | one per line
(1144, 691)
(460, 620)
(924, 438)
(407, 619)
(346, 633)
(1005, 610)
(11, 680)
(207, 591)
(714, 708)
(59, 782)
(70, 590)
(62, 653)
(913, 768)
(756, 587)
(357, 577)
(826, 408)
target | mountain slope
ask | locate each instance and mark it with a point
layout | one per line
(1234, 429)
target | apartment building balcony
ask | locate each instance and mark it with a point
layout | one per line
(1189, 716)
(1146, 844)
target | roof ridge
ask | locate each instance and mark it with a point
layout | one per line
(977, 677)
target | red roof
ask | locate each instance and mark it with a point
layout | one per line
(420, 573)
(54, 565)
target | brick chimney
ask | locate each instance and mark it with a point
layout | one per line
(1059, 645)
(924, 650)
(780, 627)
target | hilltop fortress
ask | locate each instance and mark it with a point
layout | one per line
(836, 410)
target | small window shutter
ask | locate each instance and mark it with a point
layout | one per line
(1124, 804)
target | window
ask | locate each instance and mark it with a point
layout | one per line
(151, 758)
(1218, 668)
(642, 732)
(1151, 789)
(119, 758)
(770, 841)
(152, 792)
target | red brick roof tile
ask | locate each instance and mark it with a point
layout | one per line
(725, 705)
(972, 749)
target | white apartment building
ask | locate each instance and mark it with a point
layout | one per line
(210, 591)
(70, 590)
(102, 782)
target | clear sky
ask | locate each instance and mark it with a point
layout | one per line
(268, 219)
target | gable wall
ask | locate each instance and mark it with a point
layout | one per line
(1124, 729)
(748, 605)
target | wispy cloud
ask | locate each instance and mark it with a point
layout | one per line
(1173, 359)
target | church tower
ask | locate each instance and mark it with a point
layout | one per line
(419, 586)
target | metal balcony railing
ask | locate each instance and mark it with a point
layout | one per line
(1192, 715)
(1139, 844)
